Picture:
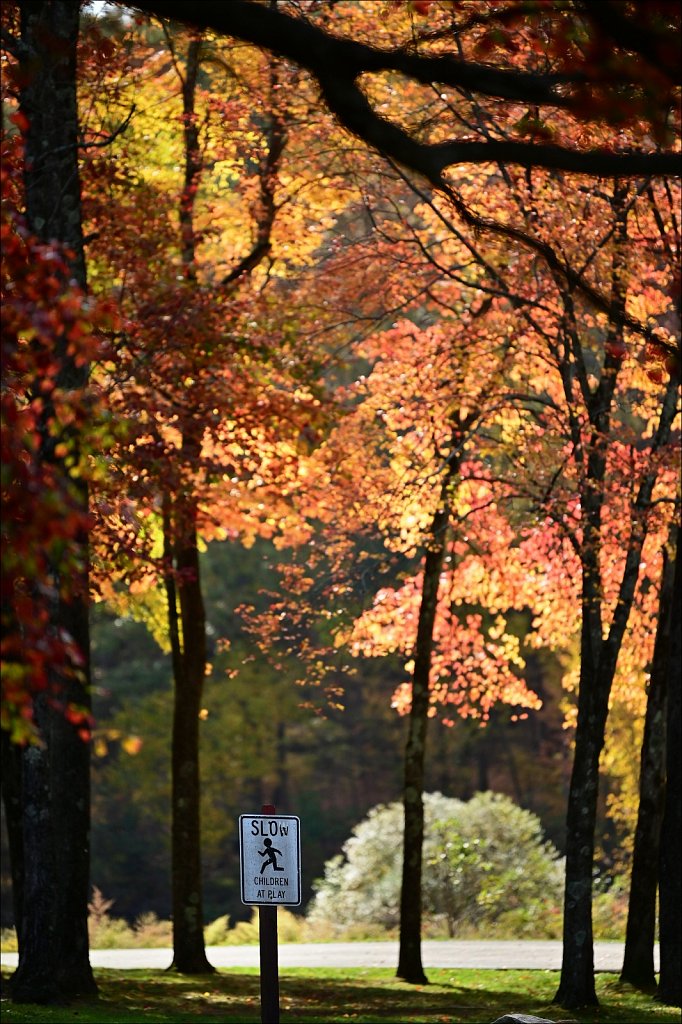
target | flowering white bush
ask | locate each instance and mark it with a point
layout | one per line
(484, 862)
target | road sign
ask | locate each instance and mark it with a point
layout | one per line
(270, 859)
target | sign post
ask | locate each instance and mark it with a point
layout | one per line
(270, 869)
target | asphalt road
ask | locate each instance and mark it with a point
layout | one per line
(608, 956)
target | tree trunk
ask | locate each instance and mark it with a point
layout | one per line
(409, 957)
(188, 633)
(638, 961)
(670, 899)
(53, 954)
(193, 166)
(188, 644)
(188, 636)
(577, 970)
(598, 653)
(11, 798)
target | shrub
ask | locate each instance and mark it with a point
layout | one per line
(8, 941)
(290, 928)
(244, 933)
(217, 932)
(152, 933)
(488, 862)
(108, 932)
(610, 911)
(486, 868)
(111, 933)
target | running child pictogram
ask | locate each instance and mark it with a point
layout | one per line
(269, 853)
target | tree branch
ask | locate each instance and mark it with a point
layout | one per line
(337, 63)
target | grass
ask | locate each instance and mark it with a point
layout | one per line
(328, 996)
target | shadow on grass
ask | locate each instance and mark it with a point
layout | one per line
(304, 1000)
(329, 997)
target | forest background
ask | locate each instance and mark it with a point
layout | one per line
(304, 361)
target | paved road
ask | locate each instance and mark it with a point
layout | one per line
(608, 956)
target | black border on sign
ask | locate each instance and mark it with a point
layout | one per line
(270, 817)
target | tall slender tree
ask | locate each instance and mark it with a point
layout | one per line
(181, 448)
(186, 618)
(409, 958)
(670, 887)
(638, 960)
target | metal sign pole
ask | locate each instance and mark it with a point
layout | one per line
(269, 961)
(269, 968)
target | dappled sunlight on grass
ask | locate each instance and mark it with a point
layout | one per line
(328, 996)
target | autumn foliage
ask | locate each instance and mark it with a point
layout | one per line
(43, 316)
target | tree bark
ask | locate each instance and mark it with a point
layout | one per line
(670, 897)
(598, 664)
(638, 960)
(597, 657)
(409, 957)
(11, 798)
(186, 614)
(577, 969)
(55, 778)
(188, 644)
(187, 620)
(599, 649)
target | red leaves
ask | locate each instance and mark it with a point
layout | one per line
(661, 360)
(46, 329)
(616, 349)
(21, 121)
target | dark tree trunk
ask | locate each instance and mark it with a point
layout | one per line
(280, 792)
(670, 900)
(410, 960)
(638, 961)
(577, 972)
(576, 987)
(188, 644)
(11, 797)
(55, 778)
(187, 621)
(598, 653)
(598, 664)
(409, 957)
(193, 166)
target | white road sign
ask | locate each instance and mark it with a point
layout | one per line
(270, 859)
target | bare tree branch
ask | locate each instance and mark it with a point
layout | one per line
(338, 63)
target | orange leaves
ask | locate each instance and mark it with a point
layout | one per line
(474, 659)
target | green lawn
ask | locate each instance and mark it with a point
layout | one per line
(332, 996)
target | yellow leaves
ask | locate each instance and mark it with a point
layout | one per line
(646, 303)
(103, 739)
(144, 601)
(132, 745)
(100, 747)
(413, 523)
(498, 628)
